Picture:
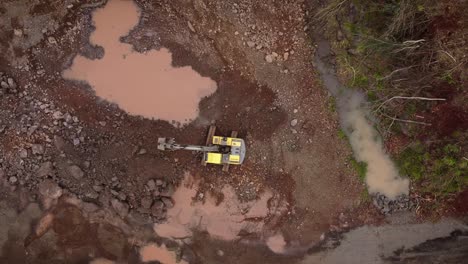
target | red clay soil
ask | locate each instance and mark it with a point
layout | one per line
(460, 204)
(447, 118)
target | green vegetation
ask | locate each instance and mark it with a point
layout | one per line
(360, 167)
(342, 134)
(402, 48)
(332, 104)
(365, 196)
(442, 172)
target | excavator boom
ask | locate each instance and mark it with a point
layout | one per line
(169, 144)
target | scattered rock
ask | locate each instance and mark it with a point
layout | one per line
(168, 191)
(18, 32)
(37, 149)
(190, 26)
(120, 207)
(159, 182)
(76, 172)
(293, 122)
(32, 129)
(45, 169)
(92, 194)
(23, 153)
(269, 58)
(52, 40)
(250, 44)
(146, 202)
(59, 142)
(387, 206)
(167, 202)
(151, 185)
(142, 151)
(13, 179)
(97, 188)
(57, 115)
(157, 209)
(219, 252)
(286, 56)
(122, 196)
(11, 83)
(50, 189)
(89, 207)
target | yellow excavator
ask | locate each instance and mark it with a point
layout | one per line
(218, 150)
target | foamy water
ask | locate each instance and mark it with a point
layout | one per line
(223, 221)
(141, 84)
(382, 175)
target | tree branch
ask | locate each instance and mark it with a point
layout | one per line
(409, 98)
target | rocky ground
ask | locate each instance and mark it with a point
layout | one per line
(82, 179)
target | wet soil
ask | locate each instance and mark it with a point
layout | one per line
(305, 164)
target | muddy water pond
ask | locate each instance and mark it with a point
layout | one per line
(144, 84)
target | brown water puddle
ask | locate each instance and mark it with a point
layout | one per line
(141, 84)
(222, 221)
(153, 252)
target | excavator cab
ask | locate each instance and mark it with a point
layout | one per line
(232, 151)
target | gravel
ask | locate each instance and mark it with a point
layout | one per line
(387, 206)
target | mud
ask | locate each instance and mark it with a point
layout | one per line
(224, 219)
(296, 180)
(141, 84)
(276, 243)
(154, 252)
